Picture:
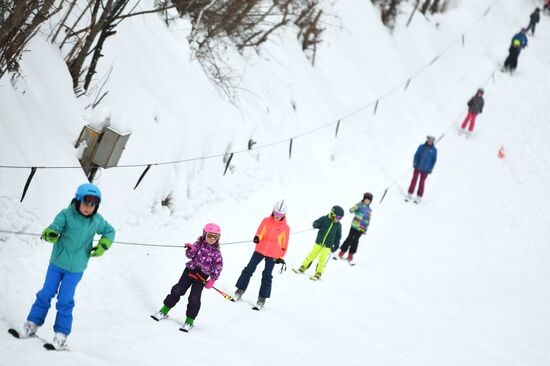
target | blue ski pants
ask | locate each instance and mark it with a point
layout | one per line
(63, 283)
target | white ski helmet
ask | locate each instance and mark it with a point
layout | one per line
(280, 207)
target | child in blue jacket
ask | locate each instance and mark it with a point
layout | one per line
(71, 233)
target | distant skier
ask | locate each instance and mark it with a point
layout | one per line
(511, 61)
(271, 241)
(205, 260)
(71, 233)
(475, 107)
(328, 240)
(423, 164)
(534, 18)
(359, 226)
(521, 37)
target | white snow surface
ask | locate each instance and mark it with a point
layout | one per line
(460, 279)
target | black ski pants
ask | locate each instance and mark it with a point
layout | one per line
(267, 276)
(511, 61)
(180, 288)
(352, 241)
(532, 27)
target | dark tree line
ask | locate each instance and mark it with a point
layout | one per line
(390, 8)
(82, 27)
(19, 22)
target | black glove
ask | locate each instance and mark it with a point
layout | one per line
(256, 240)
(334, 248)
(281, 261)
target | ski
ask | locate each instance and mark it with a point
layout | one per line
(314, 278)
(343, 259)
(16, 334)
(50, 347)
(186, 327)
(157, 318)
(258, 307)
(296, 270)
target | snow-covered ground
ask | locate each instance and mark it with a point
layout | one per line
(460, 279)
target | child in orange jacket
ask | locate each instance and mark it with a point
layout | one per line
(271, 245)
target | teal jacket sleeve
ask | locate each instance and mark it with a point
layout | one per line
(59, 222)
(105, 229)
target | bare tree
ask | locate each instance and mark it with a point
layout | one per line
(19, 22)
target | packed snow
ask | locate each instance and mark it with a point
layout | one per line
(459, 279)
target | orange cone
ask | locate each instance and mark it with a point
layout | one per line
(501, 154)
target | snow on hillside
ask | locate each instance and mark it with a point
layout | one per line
(457, 280)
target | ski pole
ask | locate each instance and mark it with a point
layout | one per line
(200, 278)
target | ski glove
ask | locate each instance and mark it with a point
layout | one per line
(334, 248)
(281, 261)
(210, 283)
(190, 248)
(50, 236)
(103, 245)
(256, 240)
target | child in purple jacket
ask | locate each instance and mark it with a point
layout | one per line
(206, 260)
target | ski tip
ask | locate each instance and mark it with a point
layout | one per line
(49, 347)
(14, 333)
(153, 317)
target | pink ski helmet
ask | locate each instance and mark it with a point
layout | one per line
(212, 228)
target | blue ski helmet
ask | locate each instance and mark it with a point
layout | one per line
(87, 189)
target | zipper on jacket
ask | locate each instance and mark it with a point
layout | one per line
(328, 231)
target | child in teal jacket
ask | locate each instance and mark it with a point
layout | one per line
(327, 241)
(71, 233)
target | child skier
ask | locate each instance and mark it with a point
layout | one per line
(511, 61)
(328, 240)
(271, 245)
(71, 233)
(475, 107)
(359, 226)
(206, 260)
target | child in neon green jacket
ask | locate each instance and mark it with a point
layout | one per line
(327, 241)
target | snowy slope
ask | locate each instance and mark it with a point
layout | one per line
(457, 280)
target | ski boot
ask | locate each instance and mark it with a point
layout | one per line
(29, 329)
(59, 341)
(316, 276)
(162, 314)
(238, 294)
(302, 269)
(186, 327)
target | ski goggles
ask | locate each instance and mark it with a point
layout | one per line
(278, 215)
(338, 217)
(92, 201)
(212, 236)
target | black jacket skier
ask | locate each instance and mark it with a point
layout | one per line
(534, 18)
